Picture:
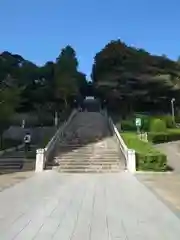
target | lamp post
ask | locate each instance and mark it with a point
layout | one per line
(172, 109)
(56, 119)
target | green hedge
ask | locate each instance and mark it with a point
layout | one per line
(162, 137)
(168, 120)
(147, 157)
(158, 125)
(151, 162)
(129, 123)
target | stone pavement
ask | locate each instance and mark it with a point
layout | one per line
(172, 150)
(109, 206)
(164, 185)
(10, 179)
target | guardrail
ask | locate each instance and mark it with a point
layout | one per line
(45, 154)
(129, 154)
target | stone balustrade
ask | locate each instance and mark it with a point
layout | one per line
(47, 153)
(129, 154)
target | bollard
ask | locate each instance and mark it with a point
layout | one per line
(131, 160)
(40, 160)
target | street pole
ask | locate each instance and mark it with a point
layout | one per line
(56, 119)
(172, 109)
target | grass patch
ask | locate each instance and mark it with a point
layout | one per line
(132, 141)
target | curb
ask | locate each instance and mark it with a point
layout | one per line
(151, 172)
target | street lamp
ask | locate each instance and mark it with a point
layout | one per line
(172, 109)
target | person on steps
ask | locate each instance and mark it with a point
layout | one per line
(27, 142)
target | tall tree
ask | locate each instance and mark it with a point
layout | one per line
(66, 75)
(9, 100)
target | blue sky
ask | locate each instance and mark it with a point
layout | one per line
(39, 29)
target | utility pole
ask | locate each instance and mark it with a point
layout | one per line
(56, 119)
(172, 109)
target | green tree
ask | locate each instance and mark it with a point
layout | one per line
(66, 75)
(9, 100)
(134, 79)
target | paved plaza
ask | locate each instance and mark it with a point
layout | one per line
(112, 206)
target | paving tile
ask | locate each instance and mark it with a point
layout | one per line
(84, 206)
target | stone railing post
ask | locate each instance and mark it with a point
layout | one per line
(131, 160)
(40, 160)
(43, 155)
(129, 154)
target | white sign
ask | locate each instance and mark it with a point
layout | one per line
(138, 122)
(89, 98)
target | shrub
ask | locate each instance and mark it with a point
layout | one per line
(168, 120)
(158, 125)
(151, 162)
(128, 125)
(177, 118)
(147, 157)
(162, 137)
(158, 137)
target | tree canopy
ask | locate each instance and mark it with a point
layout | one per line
(132, 79)
(51, 86)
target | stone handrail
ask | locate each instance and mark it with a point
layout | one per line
(47, 153)
(129, 154)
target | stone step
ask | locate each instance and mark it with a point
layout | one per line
(105, 149)
(88, 163)
(86, 154)
(86, 159)
(92, 167)
(89, 170)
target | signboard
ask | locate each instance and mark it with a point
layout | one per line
(89, 98)
(138, 122)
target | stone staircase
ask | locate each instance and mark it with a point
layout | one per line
(17, 161)
(88, 146)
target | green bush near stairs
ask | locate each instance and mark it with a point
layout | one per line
(148, 158)
(162, 137)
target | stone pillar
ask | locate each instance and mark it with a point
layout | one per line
(40, 160)
(131, 161)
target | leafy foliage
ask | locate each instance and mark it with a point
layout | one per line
(9, 100)
(158, 125)
(162, 137)
(134, 79)
(44, 87)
